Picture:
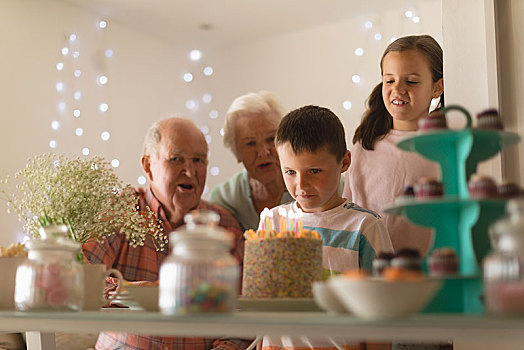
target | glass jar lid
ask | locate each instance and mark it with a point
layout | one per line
(53, 237)
(508, 233)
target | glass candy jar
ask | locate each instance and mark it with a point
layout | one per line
(51, 278)
(504, 267)
(200, 275)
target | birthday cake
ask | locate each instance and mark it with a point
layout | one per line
(281, 264)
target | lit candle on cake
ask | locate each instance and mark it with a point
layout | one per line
(282, 213)
(300, 214)
(270, 220)
(264, 219)
(297, 229)
(291, 220)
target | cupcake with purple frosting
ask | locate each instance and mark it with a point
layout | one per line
(489, 119)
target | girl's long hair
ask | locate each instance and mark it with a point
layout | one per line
(377, 122)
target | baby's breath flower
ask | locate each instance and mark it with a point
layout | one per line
(83, 193)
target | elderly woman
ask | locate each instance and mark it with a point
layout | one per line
(251, 124)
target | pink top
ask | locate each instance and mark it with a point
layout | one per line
(376, 178)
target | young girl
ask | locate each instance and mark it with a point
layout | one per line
(411, 69)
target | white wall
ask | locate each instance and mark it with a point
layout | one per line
(145, 81)
(470, 62)
(489, 73)
(510, 31)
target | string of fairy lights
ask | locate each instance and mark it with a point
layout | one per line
(72, 82)
(70, 87)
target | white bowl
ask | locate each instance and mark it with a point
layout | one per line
(374, 298)
(145, 296)
(326, 299)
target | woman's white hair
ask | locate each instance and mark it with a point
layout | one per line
(251, 104)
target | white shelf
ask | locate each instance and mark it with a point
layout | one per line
(461, 329)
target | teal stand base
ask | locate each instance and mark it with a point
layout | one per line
(490, 211)
(459, 221)
(458, 295)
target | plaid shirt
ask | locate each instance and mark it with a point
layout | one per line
(143, 264)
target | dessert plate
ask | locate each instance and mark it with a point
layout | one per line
(278, 304)
(124, 299)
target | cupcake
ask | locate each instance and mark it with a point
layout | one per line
(407, 194)
(381, 262)
(356, 274)
(489, 119)
(508, 189)
(481, 186)
(436, 120)
(407, 259)
(442, 262)
(395, 274)
(427, 188)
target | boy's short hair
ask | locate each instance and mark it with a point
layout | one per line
(310, 128)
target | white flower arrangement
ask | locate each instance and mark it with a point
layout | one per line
(83, 193)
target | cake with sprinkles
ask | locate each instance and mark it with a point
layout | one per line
(281, 264)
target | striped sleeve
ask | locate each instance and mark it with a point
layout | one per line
(374, 240)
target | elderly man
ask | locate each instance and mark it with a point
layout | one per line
(175, 161)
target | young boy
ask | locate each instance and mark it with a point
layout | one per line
(311, 145)
(312, 149)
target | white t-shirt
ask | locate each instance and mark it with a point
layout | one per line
(375, 178)
(351, 237)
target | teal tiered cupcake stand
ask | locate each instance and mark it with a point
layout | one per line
(459, 221)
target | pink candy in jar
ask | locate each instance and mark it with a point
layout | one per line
(51, 278)
(505, 297)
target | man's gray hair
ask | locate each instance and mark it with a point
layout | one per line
(154, 134)
(152, 139)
